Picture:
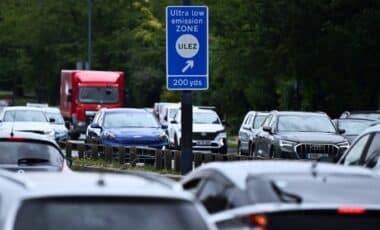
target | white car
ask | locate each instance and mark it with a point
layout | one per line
(58, 123)
(208, 131)
(26, 119)
(96, 201)
(169, 113)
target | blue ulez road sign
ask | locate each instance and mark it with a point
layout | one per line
(187, 47)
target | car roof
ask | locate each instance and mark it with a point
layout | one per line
(22, 108)
(52, 110)
(300, 113)
(238, 172)
(52, 184)
(124, 110)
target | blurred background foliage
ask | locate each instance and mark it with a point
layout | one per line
(264, 54)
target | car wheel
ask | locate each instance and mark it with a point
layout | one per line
(271, 153)
(176, 146)
(251, 150)
(239, 149)
(223, 150)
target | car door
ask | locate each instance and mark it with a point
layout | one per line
(261, 136)
(173, 128)
(373, 151)
(244, 133)
(269, 137)
(355, 154)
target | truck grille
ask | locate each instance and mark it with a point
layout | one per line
(204, 136)
(303, 149)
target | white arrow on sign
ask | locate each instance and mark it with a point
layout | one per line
(189, 64)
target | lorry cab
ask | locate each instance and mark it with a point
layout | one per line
(83, 93)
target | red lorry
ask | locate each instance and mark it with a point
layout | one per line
(83, 93)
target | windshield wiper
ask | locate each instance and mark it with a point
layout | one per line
(32, 161)
(286, 196)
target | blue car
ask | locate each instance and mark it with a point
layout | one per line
(126, 127)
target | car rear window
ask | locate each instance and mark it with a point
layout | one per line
(108, 213)
(29, 153)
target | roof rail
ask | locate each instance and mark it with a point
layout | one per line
(11, 177)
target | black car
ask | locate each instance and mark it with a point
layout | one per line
(352, 126)
(299, 135)
(22, 151)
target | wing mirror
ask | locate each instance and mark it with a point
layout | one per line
(69, 163)
(51, 120)
(164, 127)
(173, 122)
(341, 131)
(267, 129)
(95, 126)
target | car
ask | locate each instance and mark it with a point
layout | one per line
(96, 201)
(162, 112)
(209, 133)
(365, 151)
(169, 113)
(248, 132)
(58, 123)
(369, 114)
(352, 126)
(126, 127)
(26, 119)
(251, 188)
(24, 152)
(299, 135)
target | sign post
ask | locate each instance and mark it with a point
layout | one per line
(187, 64)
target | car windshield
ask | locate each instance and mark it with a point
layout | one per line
(108, 214)
(58, 119)
(259, 121)
(354, 127)
(172, 113)
(205, 118)
(371, 116)
(305, 123)
(130, 120)
(98, 95)
(24, 116)
(13, 153)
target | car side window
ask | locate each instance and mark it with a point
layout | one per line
(354, 156)
(193, 186)
(212, 195)
(374, 145)
(248, 120)
(96, 118)
(272, 123)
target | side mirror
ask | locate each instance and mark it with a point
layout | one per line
(173, 122)
(326, 159)
(67, 124)
(51, 120)
(166, 118)
(95, 126)
(341, 131)
(267, 129)
(164, 127)
(224, 122)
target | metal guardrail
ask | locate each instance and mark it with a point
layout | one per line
(161, 159)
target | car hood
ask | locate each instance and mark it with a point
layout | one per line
(136, 132)
(59, 128)
(26, 126)
(36, 168)
(209, 128)
(351, 138)
(312, 137)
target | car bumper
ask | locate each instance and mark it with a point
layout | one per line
(160, 145)
(208, 144)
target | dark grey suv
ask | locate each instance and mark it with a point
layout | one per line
(299, 135)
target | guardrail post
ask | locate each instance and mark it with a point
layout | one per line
(69, 149)
(158, 160)
(132, 156)
(197, 159)
(122, 153)
(177, 161)
(167, 160)
(81, 149)
(108, 153)
(207, 158)
(94, 152)
(219, 157)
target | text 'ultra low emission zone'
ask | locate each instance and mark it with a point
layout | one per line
(187, 47)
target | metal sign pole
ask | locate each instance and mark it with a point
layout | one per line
(187, 126)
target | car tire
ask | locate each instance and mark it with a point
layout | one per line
(239, 149)
(251, 149)
(176, 146)
(223, 150)
(271, 153)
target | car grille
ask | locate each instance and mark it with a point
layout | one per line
(204, 136)
(303, 149)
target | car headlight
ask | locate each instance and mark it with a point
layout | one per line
(287, 145)
(343, 145)
(109, 135)
(163, 136)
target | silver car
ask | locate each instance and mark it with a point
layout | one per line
(96, 201)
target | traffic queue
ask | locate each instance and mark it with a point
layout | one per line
(308, 173)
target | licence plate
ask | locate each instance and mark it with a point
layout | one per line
(316, 156)
(203, 142)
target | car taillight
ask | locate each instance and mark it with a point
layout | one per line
(351, 211)
(15, 138)
(259, 221)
